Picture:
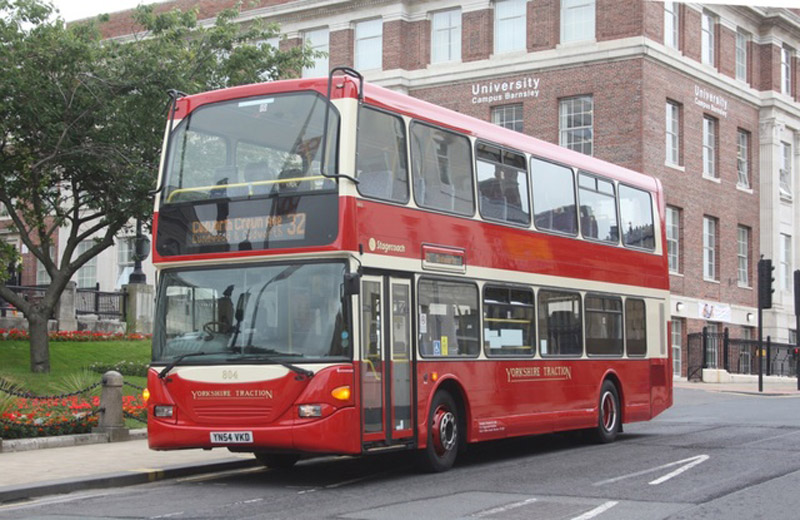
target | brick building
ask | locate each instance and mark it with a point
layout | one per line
(704, 97)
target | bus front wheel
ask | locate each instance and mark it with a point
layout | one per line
(609, 416)
(443, 424)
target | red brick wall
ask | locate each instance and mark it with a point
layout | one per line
(653, 20)
(543, 24)
(341, 48)
(406, 45)
(769, 72)
(477, 33)
(618, 19)
(690, 32)
(726, 52)
(696, 196)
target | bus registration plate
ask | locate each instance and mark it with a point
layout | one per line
(231, 437)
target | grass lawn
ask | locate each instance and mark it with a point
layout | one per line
(69, 366)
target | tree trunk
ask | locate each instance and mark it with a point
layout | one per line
(40, 346)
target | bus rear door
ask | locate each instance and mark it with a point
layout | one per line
(386, 374)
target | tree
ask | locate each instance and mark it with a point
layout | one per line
(82, 119)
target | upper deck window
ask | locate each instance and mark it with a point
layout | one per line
(442, 168)
(381, 166)
(249, 147)
(502, 185)
(636, 211)
(598, 208)
(553, 197)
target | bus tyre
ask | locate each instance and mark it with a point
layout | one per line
(443, 441)
(609, 417)
(277, 460)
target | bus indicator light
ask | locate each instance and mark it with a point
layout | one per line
(341, 393)
(146, 395)
(434, 376)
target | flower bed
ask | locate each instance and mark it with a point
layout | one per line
(75, 335)
(47, 417)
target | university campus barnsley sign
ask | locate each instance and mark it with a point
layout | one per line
(494, 91)
(707, 100)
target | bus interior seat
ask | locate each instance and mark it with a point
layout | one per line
(223, 174)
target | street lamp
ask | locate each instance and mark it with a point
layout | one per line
(141, 250)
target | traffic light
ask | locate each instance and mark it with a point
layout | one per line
(765, 280)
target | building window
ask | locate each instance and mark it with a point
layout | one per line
(87, 274)
(318, 41)
(508, 322)
(677, 344)
(785, 273)
(575, 124)
(785, 180)
(126, 247)
(369, 45)
(709, 147)
(674, 238)
(742, 40)
(707, 39)
(743, 158)
(4, 213)
(743, 243)
(446, 36)
(712, 346)
(509, 25)
(786, 70)
(508, 116)
(793, 336)
(673, 145)
(709, 248)
(671, 24)
(577, 20)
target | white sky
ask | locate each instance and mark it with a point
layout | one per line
(77, 9)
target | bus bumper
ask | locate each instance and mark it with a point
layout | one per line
(337, 433)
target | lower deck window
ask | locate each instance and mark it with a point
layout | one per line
(603, 326)
(635, 327)
(508, 326)
(449, 321)
(560, 323)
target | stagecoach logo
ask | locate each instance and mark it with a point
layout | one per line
(493, 91)
(199, 395)
(546, 373)
(385, 247)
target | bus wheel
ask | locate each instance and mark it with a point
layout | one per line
(440, 454)
(609, 417)
(277, 460)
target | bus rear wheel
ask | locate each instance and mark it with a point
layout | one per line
(443, 425)
(608, 414)
(277, 460)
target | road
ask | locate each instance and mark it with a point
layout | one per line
(711, 456)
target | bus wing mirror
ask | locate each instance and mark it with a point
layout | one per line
(352, 284)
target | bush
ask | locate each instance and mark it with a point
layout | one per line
(126, 368)
(75, 335)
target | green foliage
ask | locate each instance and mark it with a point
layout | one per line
(82, 119)
(126, 368)
(77, 382)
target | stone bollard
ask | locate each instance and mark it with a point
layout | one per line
(112, 420)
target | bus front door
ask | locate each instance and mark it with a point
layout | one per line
(386, 361)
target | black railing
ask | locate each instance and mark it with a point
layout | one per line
(738, 356)
(31, 293)
(101, 303)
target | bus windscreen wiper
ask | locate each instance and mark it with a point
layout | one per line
(271, 355)
(177, 360)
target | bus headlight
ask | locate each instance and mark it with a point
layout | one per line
(310, 410)
(163, 411)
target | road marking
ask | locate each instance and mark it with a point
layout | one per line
(687, 464)
(168, 515)
(757, 441)
(597, 511)
(503, 509)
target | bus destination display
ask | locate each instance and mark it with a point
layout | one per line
(254, 229)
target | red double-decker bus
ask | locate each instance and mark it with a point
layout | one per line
(343, 269)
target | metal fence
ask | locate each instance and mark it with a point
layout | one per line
(738, 356)
(100, 303)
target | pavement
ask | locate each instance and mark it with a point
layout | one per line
(56, 465)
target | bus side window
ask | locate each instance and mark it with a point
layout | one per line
(381, 166)
(553, 197)
(448, 319)
(560, 324)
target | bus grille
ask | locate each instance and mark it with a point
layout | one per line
(252, 414)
